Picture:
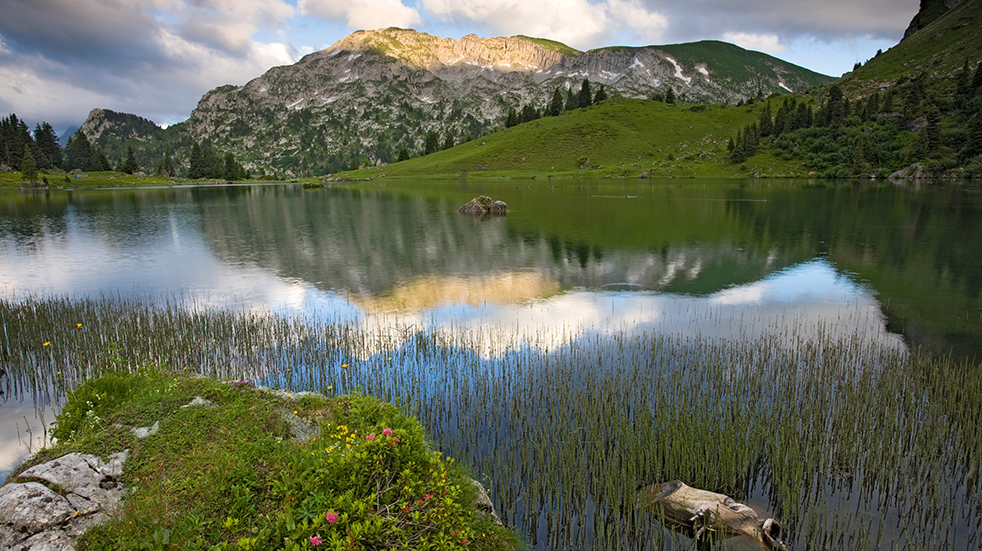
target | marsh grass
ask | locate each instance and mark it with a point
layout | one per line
(851, 444)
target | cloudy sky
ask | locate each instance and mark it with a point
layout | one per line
(156, 58)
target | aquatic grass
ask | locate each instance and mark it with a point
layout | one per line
(852, 443)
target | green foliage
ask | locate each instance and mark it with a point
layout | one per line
(28, 167)
(129, 165)
(228, 477)
(93, 401)
(432, 143)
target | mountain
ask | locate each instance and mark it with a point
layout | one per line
(375, 92)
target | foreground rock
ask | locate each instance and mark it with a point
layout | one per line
(484, 205)
(707, 516)
(55, 501)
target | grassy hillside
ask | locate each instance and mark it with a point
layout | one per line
(939, 50)
(615, 139)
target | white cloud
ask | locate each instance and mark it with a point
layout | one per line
(767, 43)
(633, 15)
(363, 14)
(577, 23)
(155, 58)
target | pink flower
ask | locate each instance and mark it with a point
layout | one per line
(386, 432)
(370, 437)
(315, 540)
(427, 496)
(332, 518)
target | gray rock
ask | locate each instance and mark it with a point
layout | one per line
(199, 402)
(51, 540)
(484, 205)
(143, 432)
(84, 475)
(915, 171)
(484, 503)
(300, 430)
(31, 508)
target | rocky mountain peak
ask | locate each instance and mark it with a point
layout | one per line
(513, 53)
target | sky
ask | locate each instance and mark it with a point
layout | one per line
(59, 59)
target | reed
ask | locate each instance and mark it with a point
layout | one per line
(851, 443)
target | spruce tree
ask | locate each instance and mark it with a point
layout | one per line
(669, 95)
(448, 141)
(601, 95)
(28, 168)
(556, 105)
(47, 143)
(196, 170)
(167, 169)
(432, 143)
(585, 97)
(766, 122)
(78, 152)
(403, 154)
(572, 100)
(511, 120)
(129, 166)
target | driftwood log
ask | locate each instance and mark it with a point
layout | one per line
(707, 516)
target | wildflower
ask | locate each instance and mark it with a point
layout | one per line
(389, 358)
(386, 432)
(344, 365)
(427, 496)
(370, 437)
(332, 518)
(294, 412)
(46, 344)
(330, 387)
(315, 540)
(78, 325)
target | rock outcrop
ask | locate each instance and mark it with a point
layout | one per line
(53, 502)
(479, 206)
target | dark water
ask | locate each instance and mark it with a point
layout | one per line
(897, 266)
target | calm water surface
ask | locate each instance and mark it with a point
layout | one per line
(897, 266)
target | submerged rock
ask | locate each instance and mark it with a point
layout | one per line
(484, 205)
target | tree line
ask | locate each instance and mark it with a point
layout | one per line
(558, 105)
(31, 153)
(924, 119)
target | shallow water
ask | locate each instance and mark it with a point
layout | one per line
(577, 272)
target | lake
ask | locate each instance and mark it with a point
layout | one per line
(603, 284)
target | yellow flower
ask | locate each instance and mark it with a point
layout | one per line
(389, 358)
(46, 344)
(344, 365)
(294, 412)
(330, 388)
(78, 325)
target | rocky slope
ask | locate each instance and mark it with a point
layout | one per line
(376, 92)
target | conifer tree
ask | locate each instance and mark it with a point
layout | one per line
(28, 168)
(47, 143)
(129, 166)
(585, 97)
(167, 169)
(432, 143)
(511, 121)
(556, 105)
(448, 140)
(78, 152)
(669, 95)
(196, 170)
(601, 95)
(766, 122)
(572, 100)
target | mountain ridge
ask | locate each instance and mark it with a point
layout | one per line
(374, 93)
